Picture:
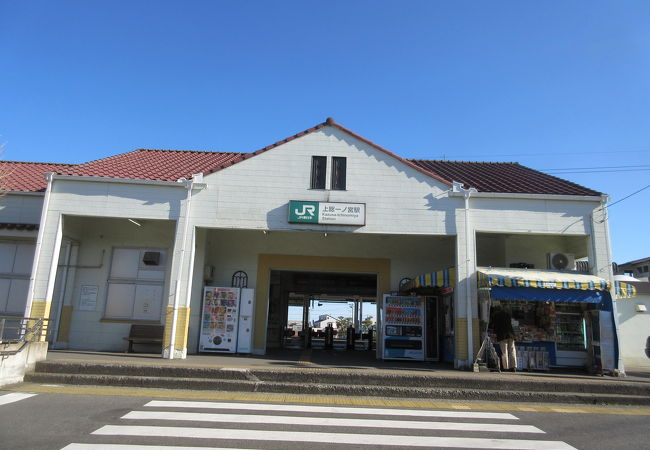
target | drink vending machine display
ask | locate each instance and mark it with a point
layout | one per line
(227, 320)
(403, 327)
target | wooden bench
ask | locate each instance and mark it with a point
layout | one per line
(144, 334)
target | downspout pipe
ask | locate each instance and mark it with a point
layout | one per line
(49, 176)
(467, 193)
(189, 184)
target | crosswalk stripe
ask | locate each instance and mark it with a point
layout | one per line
(330, 422)
(14, 397)
(330, 409)
(338, 438)
(76, 446)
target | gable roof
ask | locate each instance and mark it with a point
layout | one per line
(170, 165)
(27, 176)
(506, 177)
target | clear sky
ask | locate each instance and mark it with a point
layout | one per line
(551, 85)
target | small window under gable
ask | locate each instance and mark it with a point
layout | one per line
(318, 172)
(338, 173)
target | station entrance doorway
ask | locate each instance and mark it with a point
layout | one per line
(322, 310)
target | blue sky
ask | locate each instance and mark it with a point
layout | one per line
(548, 84)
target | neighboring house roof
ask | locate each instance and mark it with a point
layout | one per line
(147, 164)
(170, 165)
(26, 176)
(637, 261)
(507, 177)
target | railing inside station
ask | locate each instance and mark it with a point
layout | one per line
(329, 338)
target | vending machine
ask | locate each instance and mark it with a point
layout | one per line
(403, 327)
(245, 333)
(219, 320)
(227, 320)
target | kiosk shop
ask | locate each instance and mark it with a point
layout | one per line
(560, 319)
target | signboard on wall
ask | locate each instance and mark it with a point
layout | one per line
(327, 213)
(88, 297)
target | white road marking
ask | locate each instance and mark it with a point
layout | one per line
(14, 397)
(330, 422)
(331, 409)
(339, 438)
(75, 446)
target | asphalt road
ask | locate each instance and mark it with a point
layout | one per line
(57, 418)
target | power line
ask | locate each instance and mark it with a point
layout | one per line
(600, 167)
(523, 155)
(628, 196)
(595, 171)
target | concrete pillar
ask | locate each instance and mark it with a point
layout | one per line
(181, 287)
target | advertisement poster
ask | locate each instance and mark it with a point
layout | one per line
(404, 310)
(219, 320)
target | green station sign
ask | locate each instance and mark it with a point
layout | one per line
(327, 213)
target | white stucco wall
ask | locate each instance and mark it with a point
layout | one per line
(254, 193)
(97, 237)
(501, 250)
(100, 199)
(634, 329)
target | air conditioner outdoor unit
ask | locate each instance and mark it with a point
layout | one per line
(561, 261)
(151, 258)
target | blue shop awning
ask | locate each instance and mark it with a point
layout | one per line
(542, 285)
(541, 279)
(546, 295)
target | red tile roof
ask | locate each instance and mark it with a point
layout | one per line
(165, 165)
(508, 177)
(26, 176)
(170, 165)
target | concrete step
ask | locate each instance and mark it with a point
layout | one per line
(389, 383)
(482, 381)
(373, 390)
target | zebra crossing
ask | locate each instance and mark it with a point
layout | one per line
(13, 397)
(195, 424)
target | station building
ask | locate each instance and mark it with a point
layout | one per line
(135, 237)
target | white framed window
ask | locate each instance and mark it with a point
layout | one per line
(319, 173)
(16, 259)
(339, 164)
(135, 284)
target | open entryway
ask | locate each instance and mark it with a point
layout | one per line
(322, 310)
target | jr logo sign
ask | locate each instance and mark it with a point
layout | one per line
(303, 212)
(307, 210)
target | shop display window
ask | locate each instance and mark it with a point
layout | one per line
(570, 327)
